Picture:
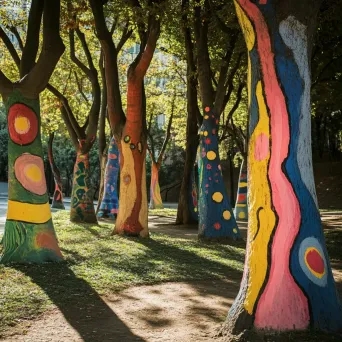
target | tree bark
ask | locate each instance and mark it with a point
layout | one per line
(29, 233)
(155, 197)
(216, 218)
(241, 209)
(287, 282)
(110, 203)
(57, 201)
(82, 207)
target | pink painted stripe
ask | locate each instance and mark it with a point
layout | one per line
(282, 305)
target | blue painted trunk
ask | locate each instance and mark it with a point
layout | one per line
(216, 218)
(110, 203)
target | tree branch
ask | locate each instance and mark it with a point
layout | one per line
(37, 79)
(32, 40)
(10, 47)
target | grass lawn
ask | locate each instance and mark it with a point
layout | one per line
(98, 263)
(163, 212)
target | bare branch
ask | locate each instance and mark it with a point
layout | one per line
(37, 79)
(15, 31)
(10, 47)
(32, 40)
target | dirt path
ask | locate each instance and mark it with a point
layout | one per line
(181, 312)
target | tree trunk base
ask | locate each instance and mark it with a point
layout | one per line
(57, 205)
(30, 243)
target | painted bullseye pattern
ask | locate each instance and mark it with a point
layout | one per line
(22, 124)
(29, 171)
(312, 261)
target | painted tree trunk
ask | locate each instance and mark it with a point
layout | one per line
(287, 282)
(29, 233)
(133, 214)
(155, 197)
(216, 218)
(57, 201)
(110, 203)
(193, 196)
(82, 206)
(241, 209)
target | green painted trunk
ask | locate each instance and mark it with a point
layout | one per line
(29, 232)
(82, 206)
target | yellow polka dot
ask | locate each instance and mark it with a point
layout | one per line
(206, 117)
(211, 155)
(21, 124)
(227, 215)
(201, 133)
(242, 215)
(195, 210)
(34, 173)
(217, 197)
(205, 133)
(235, 230)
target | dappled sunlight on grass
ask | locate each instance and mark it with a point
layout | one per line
(109, 263)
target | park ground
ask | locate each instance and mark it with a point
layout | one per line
(167, 288)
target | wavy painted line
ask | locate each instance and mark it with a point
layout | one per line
(282, 305)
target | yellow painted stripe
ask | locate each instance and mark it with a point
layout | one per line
(241, 205)
(34, 213)
(242, 184)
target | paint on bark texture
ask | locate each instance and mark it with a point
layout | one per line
(29, 233)
(82, 207)
(241, 209)
(133, 214)
(287, 282)
(110, 203)
(156, 201)
(216, 218)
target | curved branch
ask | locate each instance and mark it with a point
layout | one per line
(10, 47)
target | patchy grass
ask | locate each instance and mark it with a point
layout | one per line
(163, 212)
(98, 263)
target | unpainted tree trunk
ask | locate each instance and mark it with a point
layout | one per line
(57, 201)
(103, 164)
(241, 209)
(156, 201)
(29, 233)
(287, 282)
(110, 203)
(82, 206)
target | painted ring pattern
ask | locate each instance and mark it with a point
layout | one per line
(29, 171)
(22, 124)
(312, 261)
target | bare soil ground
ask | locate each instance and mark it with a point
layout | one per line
(184, 312)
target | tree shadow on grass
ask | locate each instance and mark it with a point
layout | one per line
(80, 304)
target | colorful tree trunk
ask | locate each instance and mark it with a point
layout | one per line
(216, 218)
(82, 206)
(133, 213)
(241, 209)
(287, 282)
(110, 203)
(57, 201)
(156, 201)
(29, 232)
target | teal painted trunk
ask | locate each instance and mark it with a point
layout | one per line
(82, 206)
(110, 203)
(216, 218)
(29, 233)
(241, 208)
